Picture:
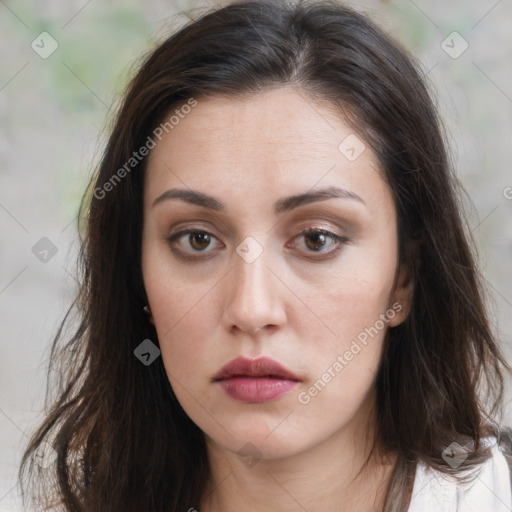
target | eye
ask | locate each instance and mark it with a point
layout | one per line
(319, 241)
(192, 241)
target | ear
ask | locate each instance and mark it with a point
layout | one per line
(405, 284)
(147, 311)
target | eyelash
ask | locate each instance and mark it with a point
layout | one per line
(338, 240)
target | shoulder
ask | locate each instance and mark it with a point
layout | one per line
(489, 489)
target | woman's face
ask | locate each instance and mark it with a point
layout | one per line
(278, 240)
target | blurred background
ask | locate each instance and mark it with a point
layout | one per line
(63, 67)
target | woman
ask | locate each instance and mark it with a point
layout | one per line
(280, 308)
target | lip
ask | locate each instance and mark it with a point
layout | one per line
(260, 367)
(255, 380)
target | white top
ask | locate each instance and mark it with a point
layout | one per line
(490, 491)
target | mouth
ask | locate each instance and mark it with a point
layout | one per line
(255, 380)
(263, 367)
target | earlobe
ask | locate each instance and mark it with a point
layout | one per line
(148, 313)
(403, 295)
(401, 301)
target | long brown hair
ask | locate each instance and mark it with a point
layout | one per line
(122, 440)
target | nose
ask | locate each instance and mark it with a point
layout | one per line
(254, 302)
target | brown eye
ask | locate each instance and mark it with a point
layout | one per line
(192, 243)
(199, 240)
(321, 242)
(315, 240)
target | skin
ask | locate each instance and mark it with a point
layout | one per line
(299, 302)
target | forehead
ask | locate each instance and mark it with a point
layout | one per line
(272, 142)
(279, 123)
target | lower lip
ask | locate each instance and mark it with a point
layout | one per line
(256, 390)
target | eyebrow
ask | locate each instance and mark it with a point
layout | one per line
(283, 205)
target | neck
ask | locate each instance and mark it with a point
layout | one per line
(342, 473)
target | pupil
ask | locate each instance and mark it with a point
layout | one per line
(199, 240)
(318, 240)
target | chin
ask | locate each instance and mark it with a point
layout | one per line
(264, 439)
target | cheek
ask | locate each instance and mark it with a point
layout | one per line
(175, 298)
(183, 313)
(354, 307)
(185, 318)
(344, 363)
(354, 295)
(332, 309)
(185, 331)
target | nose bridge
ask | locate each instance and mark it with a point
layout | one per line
(254, 300)
(251, 277)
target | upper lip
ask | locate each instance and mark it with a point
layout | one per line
(260, 367)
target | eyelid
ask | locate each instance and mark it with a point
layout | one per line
(311, 255)
(192, 255)
(329, 223)
(339, 242)
(321, 217)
